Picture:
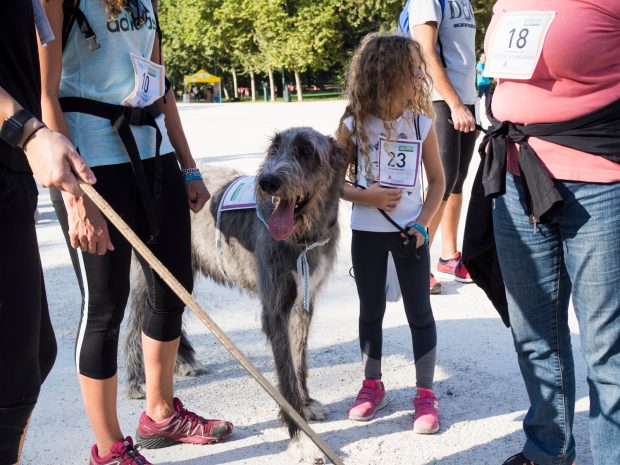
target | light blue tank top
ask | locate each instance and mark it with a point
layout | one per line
(107, 75)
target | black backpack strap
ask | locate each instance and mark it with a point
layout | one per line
(121, 118)
(72, 13)
(168, 85)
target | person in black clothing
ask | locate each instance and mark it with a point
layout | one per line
(27, 343)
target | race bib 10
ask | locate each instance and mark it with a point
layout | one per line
(149, 82)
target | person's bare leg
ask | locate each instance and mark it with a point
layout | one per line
(435, 222)
(159, 360)
(450, 225)
(99, 396)
(21, 442)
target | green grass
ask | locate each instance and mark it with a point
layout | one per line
(308, 97)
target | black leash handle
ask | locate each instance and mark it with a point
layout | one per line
(477, 126)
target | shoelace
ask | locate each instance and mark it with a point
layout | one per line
(131, 456)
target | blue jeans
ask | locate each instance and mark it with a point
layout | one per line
(578, 254)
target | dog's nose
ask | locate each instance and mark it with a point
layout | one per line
(269, 183)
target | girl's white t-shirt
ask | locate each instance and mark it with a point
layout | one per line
(365, 218)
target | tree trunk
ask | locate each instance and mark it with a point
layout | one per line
(253, 83)
(226, 96)
(272, 86)
(300, 95)
(235, 88)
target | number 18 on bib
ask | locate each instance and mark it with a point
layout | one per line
(399, 162)
(516, 44)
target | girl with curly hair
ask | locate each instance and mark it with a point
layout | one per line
(387, 130)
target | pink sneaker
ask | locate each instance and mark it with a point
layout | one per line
(454, 267)
(183, 426)
(426, 405)
(121, 453)
(370, 399)
(435, 286)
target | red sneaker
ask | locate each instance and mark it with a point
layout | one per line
(121, 453)
(370, 399)
(435, 286)
(454, 267)
(183, 426)
(426, 417)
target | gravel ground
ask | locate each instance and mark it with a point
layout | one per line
(483, 399)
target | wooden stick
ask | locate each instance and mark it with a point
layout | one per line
(188, 300)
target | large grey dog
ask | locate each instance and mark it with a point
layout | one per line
(298, 191)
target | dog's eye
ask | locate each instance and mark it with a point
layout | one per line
(307, 151)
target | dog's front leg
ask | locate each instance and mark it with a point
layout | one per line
(299, 329)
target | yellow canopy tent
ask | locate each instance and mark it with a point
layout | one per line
(204, 77)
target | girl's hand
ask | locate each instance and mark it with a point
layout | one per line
(419, 238)
(197, 194)
(382, 197)
(88, 229)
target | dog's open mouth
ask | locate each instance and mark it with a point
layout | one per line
(282, 219)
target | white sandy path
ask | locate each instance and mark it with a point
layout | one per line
(483, 397)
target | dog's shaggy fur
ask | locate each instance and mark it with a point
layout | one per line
(303, 170)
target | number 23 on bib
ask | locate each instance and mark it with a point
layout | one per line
(399, 162)
(516, 44)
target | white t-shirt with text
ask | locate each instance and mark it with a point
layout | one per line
(365, 218)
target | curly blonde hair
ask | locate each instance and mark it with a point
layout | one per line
(378, 74)
(114, 7)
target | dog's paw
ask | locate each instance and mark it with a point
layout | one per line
(316, 411)
(302, 449)
(189, 370)
(135, 391)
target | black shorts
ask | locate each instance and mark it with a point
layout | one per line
(455, 148)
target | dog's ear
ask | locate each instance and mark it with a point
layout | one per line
(274, 143)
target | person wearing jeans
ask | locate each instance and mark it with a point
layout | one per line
(578, 254)
(556, 219)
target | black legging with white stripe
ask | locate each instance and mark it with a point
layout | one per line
(104, 280)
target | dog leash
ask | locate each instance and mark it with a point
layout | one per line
(303, 267)
(303, 270)
(220, 335)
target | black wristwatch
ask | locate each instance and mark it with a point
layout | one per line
(13, 127)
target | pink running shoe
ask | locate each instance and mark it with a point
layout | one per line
(435, 286)
(454, 267)
(426, 405)
(370, 399)
(121, 453)
(183, 426)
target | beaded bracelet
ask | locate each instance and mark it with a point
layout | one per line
(421, 229)
(191, 174)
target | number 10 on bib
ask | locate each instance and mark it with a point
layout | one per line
(516, 44)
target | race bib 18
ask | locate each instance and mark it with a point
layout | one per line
(516, 44)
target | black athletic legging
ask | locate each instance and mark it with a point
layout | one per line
(369, 251)
(104, 280)
(455, 148)
(27, 343)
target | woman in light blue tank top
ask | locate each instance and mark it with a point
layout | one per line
(103, 87)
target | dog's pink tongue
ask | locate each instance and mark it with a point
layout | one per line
(281, 221)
